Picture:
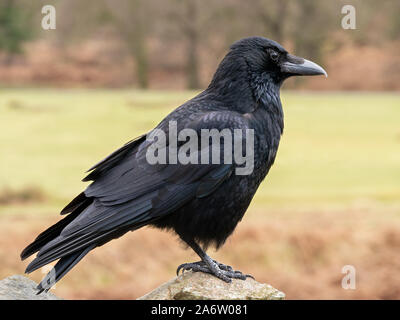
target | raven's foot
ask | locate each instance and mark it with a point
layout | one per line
(219, 270)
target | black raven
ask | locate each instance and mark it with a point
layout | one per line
(202, 203)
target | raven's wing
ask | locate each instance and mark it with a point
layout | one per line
(130, 193)
(102, 168)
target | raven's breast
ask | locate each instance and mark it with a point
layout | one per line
(212, 219)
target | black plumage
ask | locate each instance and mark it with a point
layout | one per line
(202, 203)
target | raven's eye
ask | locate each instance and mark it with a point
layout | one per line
(273, 55)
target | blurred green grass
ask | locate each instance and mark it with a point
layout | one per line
(338, 149)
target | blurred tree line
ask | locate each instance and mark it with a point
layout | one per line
(202, 28)
(15, 28)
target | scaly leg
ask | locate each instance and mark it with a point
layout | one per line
(208, 265)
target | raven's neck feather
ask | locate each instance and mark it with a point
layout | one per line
(267, 96)
(231, 84)
(245, 90)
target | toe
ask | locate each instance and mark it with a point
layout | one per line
(224, 277)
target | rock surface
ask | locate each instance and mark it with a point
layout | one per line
(201, 286)
(187, 286)
(18, 287)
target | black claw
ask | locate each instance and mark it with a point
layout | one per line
(194, 266)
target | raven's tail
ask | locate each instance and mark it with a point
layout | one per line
(47, 235)
(61, 268)
(75, 207)
(67, 262)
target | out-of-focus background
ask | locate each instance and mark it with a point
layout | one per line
(111, 70)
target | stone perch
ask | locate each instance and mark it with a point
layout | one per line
(18, 287)
(189, 286)
(202, 286)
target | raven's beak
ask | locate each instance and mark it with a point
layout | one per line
(301, 67)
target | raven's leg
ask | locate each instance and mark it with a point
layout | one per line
(208, 265)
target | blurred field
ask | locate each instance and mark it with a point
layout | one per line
(331, 199)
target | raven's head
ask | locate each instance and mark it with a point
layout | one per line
(265, 55)
(257, 59)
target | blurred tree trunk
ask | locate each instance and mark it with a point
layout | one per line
(130, 19)
(138, 49)
(278, 24)
(15, 29)
(308, 39)
(273, 16)
(305, 40)
(192, 38)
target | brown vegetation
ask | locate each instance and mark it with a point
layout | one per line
(21, 196)
(303, 256)
(94, 64)
(177, 44)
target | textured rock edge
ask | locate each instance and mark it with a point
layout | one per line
(201, 286)
(18, 287)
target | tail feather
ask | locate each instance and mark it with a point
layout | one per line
(51, 233)
(39, 262)
(78, 201)
(102, 224)
(61, 268)
(46, 236)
